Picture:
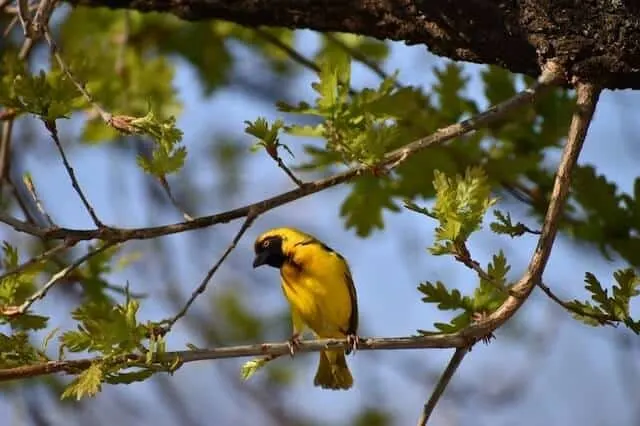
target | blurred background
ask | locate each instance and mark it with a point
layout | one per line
(543, 367)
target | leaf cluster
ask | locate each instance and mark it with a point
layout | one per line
(48, 95)
(486, 297)
(461, 203)
(606, 304)
(113, 331)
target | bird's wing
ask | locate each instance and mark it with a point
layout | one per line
(353, 319)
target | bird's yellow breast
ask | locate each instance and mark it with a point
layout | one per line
(316, 282)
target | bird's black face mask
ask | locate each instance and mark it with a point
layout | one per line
(269, 252)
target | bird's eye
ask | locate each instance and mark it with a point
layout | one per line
(266, 243)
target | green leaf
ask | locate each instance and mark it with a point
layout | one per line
(588, 309)
(261, 130)
(129, 377)
(249, 368)
(268, 136)
(106, 328)
(451, 82)
(616, 306)
(16, 350)
(461, 203)
(458, 323)
(48, 95)
(335, 77)
(490, 294)
(504, 225)
(16, 288)
(624, 291)
(410, 205)
(29, 322)
(499, 84)
(598, 293)
(48, 337)
(446, 299)
(363, 207)
(88, 383)
(168, 155)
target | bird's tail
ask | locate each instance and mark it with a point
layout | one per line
(333, 372)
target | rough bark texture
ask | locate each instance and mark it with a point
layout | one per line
(596, 40)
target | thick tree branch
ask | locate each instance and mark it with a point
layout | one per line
(390, 161)
(595, 40)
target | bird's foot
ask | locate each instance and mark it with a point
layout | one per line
(353, 340)
(293, 343)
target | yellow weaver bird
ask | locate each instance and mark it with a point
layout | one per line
(317, 282)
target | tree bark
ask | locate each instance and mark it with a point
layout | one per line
(597, 41)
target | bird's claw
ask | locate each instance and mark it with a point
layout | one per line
(293, 344)
(353, 341)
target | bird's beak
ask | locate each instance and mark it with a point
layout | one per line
(261, 259)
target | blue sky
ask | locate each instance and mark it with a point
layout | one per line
(573, 379)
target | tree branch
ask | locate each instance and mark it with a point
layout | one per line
(587, 97)
(391, 160)
(12, 311)
(601, 318)
(274, 349)
(51, 126)
(203, 285)
(442, 384)
(45, 255)
(481, 31)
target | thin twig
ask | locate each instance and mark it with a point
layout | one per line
(463, 256)
(167, 190)
(24, 14)
(46, 255)
(601, 318)
(51, 126)
(281, 348)
(28, 182)
(5, 152)
(293, 54)
(22, 203)
(106, 117)
(12, 311)
(442, 384)
(286, 169)
(4, 3)
(290, 51)
(205, 281)
(394, 158)
(27, 227)
(41, 18)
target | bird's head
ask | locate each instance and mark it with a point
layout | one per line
(276, 245)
